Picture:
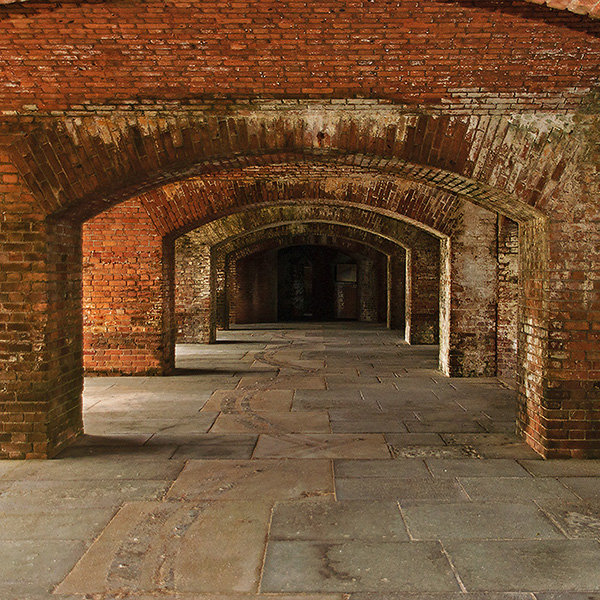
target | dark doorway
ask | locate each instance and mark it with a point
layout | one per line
(316, 283)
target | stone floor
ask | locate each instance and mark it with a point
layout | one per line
(313, 462)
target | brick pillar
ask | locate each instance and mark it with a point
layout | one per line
(221, 293)
(367, 290)
(508, 296)
(195, 293)
(559, 332)
(423, 292)
(396, 290)
(231, 287)
(469, 297)
(41, 374)
(127, 326)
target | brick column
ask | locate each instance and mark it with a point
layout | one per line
(469, 297)
(195, 293)
(127, 325)
(367, 290)
(41, 374)
(508, 296)
(221, 292)
(559, 331)
(423, 292)
(396, 290)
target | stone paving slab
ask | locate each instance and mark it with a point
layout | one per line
(291, 382)
(35, 566)
(477, 520)
(567, 596)
(408, 440)
(563, 468)
(273, 422)
(532, 565)
(475, 468)
(128, 424)
(369, 424)
(493, 445)
(267, 480)
(317, 445)
(327, 521)
(203, 439)
(63, 524)
(43, 496)
(515, 489)
(387, 469)
(209, 451)
(445, 427)
(238, 401)
(208, 547)
(300, 566)
(422, 452)
(445, 596)
(574, 519)
(441, 490)
(96, 467)
(120, 453)
(587, 488)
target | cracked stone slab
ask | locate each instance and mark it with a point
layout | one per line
(273, 422)
(267, 480)
(531, 565)
(587, 488)
(318, 445)
(176, 547)
(311, 566)
(445, 452)
(326, 520)
(575, 519)
(441, 490)
(563, 468)
(493, 445)
(410, 440)
(240, 401)
(477, 520)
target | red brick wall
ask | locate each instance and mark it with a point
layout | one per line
(124, 293)
(492, 51)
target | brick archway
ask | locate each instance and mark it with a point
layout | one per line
(73, 175)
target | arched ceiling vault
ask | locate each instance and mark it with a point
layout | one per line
(80, 167)
(343, 237)
(258, 222)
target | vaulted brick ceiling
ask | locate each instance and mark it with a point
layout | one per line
(580, 7)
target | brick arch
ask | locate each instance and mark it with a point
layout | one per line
(374, 298)
(406, 249)
(422, 248)
(247, 220)
(81, 166)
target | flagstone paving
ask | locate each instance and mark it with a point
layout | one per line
(304, 462)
